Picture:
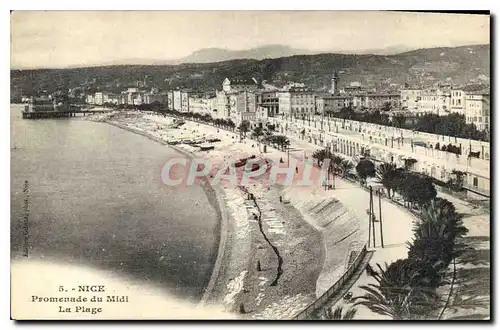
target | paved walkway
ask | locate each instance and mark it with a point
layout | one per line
(397, 230)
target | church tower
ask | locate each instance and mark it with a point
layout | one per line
(335, 83)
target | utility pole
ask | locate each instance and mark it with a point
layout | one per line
(372, 216)
(380, 216)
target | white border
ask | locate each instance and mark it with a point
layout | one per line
(185, 5)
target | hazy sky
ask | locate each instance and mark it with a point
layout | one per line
(61, 39)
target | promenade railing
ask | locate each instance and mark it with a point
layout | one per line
(310, 311)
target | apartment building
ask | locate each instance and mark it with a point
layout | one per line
(270, 101)
(457, 103)
(297, 102)
(185, 101)
(201, 105)
(332, 103)
(177, 101)
(380, 101)
(436, 101)
(477, 109)
(239, 85)
(410, 99)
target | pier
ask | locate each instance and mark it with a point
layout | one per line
(59, 114)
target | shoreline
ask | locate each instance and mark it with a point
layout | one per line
(216, 201)
(236, 284)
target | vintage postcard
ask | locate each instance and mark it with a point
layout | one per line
(250, 165)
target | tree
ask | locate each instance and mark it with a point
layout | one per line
(457, 181)
(338, 314)
(231, 124)
(336, 163)
(398, 292)
(437, 237)
(399, 121)
(321, 155)
(418, 189)
(365, 169)
(385, 175)
(345, 167)
(244, 127)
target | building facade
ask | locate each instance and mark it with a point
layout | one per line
(297, 102)
(457, 103)
(381, 101)
(436, 101)
(239, 85)
(270, 101)
(332, 103)
(177, 101)
(477, 109)
(410, 99)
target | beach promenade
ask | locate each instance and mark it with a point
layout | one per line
(238, 277)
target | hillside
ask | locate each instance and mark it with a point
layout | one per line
(213, 55)
(459, 65)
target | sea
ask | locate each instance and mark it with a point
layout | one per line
(90, 194)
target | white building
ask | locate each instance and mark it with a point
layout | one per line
(457, 104)
(410, 99)
(99, 98)
(477, 109)
(238, 85)
(436, 101)
(222, 108)
(177, 101)
(201, 105)
(90, 99)
(185, 101)
(297, 102)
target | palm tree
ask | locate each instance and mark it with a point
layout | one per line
(321, 155)
(385, 175)
(398, 292)
(337, 163)
(346, 166)
(257, 133)
(436, 235)
(244, 127)
(337, 314)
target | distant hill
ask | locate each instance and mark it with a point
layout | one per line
(212, 55)
(457, 65)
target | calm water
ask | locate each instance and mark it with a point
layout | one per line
(96, 199)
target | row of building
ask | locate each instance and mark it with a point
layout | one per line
(247, 99)
(473, 103)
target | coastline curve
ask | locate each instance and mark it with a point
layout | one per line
(220, 210)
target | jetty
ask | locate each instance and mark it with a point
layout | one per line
(59, 114)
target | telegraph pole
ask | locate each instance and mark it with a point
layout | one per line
(372, 216)
(380, 216)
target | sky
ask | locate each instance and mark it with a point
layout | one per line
(58, 39)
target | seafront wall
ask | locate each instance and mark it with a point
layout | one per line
(343, 237)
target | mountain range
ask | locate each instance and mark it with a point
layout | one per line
(422, 67)
(213, 55)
